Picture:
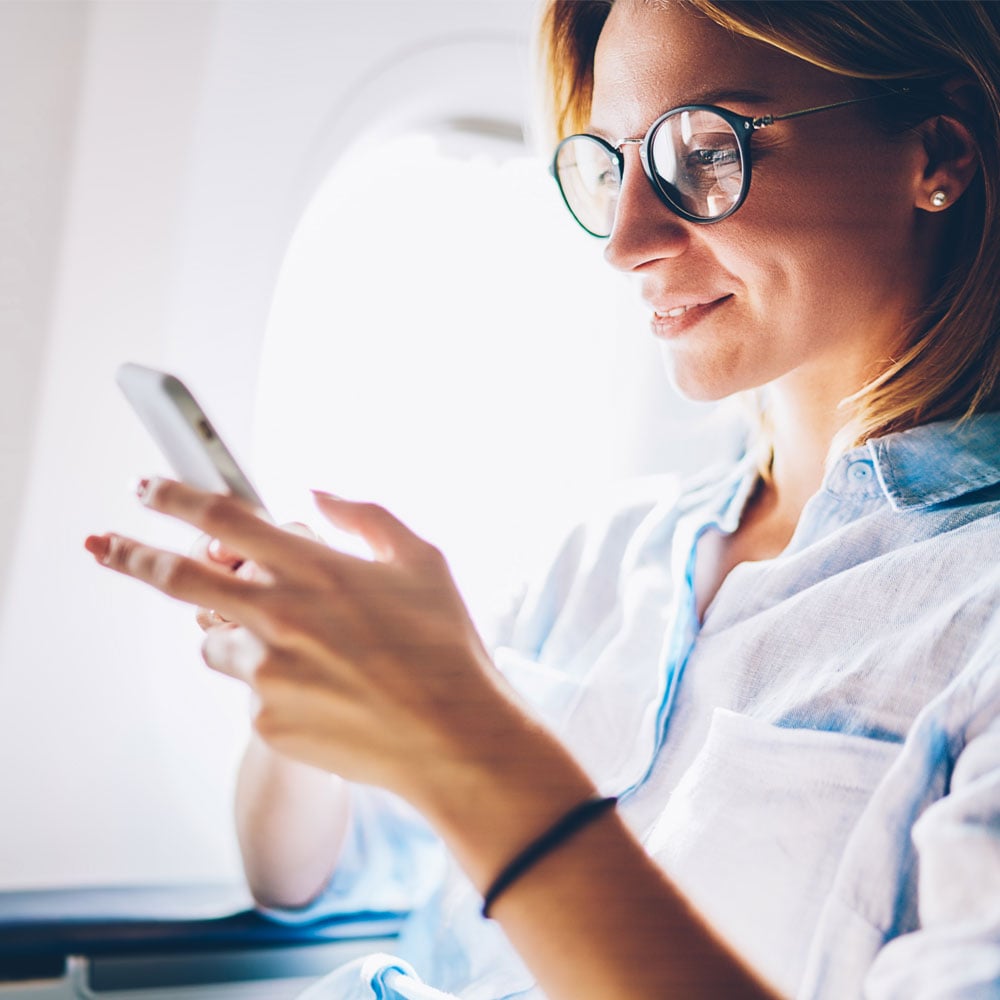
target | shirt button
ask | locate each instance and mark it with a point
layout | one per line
(860, 472)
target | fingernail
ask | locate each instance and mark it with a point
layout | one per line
(146, 489)
(98, 546)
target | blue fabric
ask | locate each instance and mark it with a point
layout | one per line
(816, 763)
(377, 977)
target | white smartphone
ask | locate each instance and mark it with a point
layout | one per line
(184, 433)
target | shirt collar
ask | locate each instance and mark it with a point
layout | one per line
(936, 462)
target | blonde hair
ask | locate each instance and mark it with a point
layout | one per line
(951, 364)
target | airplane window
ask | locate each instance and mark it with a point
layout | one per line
(444, 341)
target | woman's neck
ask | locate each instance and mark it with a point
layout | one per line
(802, 436)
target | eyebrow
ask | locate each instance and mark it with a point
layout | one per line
(727, 94)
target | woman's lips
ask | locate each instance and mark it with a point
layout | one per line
(677, 319)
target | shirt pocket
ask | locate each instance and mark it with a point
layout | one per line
(754, 831)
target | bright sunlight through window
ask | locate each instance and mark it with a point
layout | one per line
(444, 341)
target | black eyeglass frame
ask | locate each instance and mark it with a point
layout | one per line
(743, 127)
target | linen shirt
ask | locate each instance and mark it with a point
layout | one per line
(815, 763)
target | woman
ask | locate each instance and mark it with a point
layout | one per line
(789, 673)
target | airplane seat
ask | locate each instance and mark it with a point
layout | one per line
(196, 941)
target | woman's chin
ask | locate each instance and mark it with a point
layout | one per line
(709, 376)
(700, 386)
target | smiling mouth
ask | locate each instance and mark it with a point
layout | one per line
(672, 313)
(679, 318)
(681, 310)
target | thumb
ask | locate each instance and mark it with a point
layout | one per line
(388, 538)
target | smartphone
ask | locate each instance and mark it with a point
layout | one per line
(184, 433)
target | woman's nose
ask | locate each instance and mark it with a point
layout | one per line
(644, 228)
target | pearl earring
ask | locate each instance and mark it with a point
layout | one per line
(938, 198)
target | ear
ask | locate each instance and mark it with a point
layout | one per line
(952, 155)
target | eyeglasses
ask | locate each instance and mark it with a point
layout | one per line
(697, 158)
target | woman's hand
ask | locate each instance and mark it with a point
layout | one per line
(370, 669)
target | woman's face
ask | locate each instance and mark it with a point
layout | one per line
(808, 284)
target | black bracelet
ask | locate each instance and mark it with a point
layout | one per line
(579, 816)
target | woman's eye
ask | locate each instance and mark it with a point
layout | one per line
(713, 157)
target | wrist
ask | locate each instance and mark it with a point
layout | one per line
(502, 793)
(582, 814)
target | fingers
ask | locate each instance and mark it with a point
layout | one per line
(207, 619)
(218, 553)
(389, 539)
(212, 551)
(239, 530)
(237, 652)
(177, 576)
(232, 650)
(276, 561)
(230, 521)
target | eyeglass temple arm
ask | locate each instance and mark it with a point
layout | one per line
(766, 120)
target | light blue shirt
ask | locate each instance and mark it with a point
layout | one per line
(816, 764)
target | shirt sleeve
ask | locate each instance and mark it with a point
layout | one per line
(955, 952)
(391, 862)
(578, 583)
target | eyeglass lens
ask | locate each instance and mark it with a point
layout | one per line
(590, 180)
(695, 160)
